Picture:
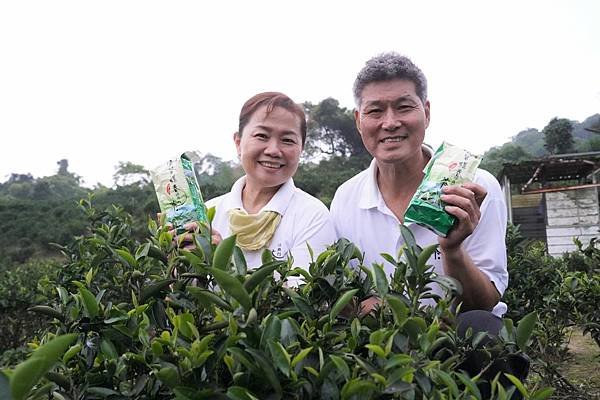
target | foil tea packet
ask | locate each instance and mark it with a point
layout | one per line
(178, 192)
(450, 165)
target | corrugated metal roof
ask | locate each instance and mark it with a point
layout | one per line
(561, 167)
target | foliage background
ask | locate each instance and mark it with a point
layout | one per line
(36, 214)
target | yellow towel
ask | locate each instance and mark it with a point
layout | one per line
(254, 231)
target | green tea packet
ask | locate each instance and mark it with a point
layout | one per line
(450, 165)
(178, 191)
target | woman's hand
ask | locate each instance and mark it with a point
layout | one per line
(185, 240)
(463, 201)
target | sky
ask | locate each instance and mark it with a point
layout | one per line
(142, 81)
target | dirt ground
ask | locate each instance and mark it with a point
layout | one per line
(582, 366)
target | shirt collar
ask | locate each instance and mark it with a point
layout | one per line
(279, 203)
(371, 195)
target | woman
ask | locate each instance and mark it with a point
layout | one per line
(264, 208)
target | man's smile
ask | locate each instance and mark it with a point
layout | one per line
(271, 164)
(393, 139)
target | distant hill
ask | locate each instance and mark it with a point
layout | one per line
(532, 140)
(529, 144)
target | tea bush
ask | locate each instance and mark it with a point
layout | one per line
(151, 321)
(564, 291)
(535, 279)
(21, 287)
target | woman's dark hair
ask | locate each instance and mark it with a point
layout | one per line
(271, 100)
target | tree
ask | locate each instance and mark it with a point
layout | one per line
(532, 140)
(332, 131)
(128, 173)
(592, 144)
(494, 159)
(215, 176)
(558, 136)
(63, 166)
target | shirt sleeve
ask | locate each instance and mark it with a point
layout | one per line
(314, 227)
(487, 245)
(335, 213)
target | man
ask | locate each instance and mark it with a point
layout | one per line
(392, 114)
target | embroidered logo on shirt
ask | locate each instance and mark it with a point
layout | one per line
(278, 252)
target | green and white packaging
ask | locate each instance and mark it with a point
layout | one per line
(178, 192)
(450, 165)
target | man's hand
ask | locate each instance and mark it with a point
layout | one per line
(463, 201)
(368, 305)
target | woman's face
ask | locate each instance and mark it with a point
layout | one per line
(269, 147)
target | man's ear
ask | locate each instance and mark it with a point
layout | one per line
(357, 121)
(427, 107)
(237, 140)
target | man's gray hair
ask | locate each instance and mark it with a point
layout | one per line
(387, 67)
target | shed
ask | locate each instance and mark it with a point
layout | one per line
(554, 199)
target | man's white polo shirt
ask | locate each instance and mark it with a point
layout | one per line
(305, 219)
(361, 215)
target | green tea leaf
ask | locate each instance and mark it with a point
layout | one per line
(448, 381)
(266, 256)
(341, 303)
(240, 393)
(239, 261)
(341, 366)
(397, 360)
(470, 385)
(525, 329)
(381, 282)
(142, 251)
(266, 370)
(449, 283)
(192, 258)
(399, 308)
(415, 326)
(223, 253)
(208, 298)
(72, 352)
(301, 356)
(169, 376)
(376, 349)
(155, 290)
(89, 276)
(30, 371)
(515, 381)
(260, 274)
(127, 257)
(300, 304)
(408, 236)
(358, 389)
(542, 394)
(49, 311)
(426, 254)
(280, 356)
(240, 356)
(389, 259)
(210, 214)
(230, 285)
(89, 300)
(108, 349)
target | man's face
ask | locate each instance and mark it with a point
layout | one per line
(392, 120)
